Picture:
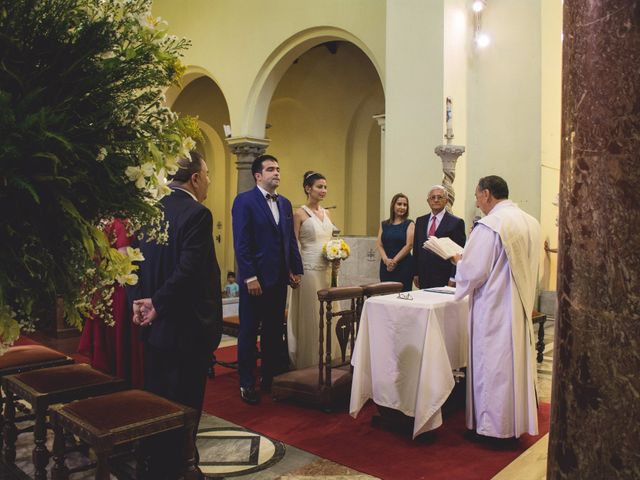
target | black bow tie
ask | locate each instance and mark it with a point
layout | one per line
(269, 196)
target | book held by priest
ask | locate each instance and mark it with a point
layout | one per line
(443, 247)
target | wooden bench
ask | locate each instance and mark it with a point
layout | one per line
(43, 388)
(25, 358)
(121, 418)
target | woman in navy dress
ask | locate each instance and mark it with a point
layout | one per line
(395, 240)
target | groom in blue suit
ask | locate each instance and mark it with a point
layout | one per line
(268, 260)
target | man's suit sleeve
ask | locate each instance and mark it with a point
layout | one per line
(459, 236)
(294, 251)
(417, 237)
(195, 245)
(242, 235)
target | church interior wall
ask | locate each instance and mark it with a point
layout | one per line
(551, 81)
(504, 103)
(324, 97)
(235, 39)
(458, 25)
(506, 97)
(415, 94)
(204, 99)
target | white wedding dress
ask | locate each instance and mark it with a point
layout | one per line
(303, 323)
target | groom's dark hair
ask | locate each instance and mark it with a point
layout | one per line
(256, 166)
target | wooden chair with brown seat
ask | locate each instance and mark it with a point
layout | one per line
(25, 358)
(329, 383)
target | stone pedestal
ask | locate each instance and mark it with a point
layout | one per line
(449, 155)
(247, 149)
(596, 382)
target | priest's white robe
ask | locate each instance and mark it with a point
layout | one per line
(499, 271)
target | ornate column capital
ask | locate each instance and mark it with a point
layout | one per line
(449, 155)
(246, 149)
(248, 145)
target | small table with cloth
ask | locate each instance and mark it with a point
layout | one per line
(406, 349)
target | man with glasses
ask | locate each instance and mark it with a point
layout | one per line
(499, 271)
(429, 269)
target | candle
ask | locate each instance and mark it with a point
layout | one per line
(449, 116)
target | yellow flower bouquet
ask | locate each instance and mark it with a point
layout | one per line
(335, 250)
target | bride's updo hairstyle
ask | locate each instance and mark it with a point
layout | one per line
(309, 179)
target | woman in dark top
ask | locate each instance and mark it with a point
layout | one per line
(395, 239)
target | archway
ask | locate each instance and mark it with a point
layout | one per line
(320, 117)
(201, 97)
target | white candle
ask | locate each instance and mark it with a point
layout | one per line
(449, 117)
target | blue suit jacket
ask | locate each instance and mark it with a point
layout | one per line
(257, 239)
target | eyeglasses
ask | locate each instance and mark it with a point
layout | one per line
(405, 296)
(437, 197)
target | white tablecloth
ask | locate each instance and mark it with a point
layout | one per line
(405, 353)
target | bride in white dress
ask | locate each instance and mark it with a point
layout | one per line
(313, 228)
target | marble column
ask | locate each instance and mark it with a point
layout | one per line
(595, 408)
(246, 149)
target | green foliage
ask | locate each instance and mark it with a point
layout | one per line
(84, 136)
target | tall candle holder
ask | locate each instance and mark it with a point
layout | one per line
(449, 154)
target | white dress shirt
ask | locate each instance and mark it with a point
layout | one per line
(273, 205)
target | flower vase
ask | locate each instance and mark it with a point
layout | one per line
(335, 267)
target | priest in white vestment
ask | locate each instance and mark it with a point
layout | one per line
(498, 270)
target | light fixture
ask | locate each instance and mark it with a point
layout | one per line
(478, 6)
(480, 38)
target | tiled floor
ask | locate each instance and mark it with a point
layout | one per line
(229, 450)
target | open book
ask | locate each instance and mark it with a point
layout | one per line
(443, 247)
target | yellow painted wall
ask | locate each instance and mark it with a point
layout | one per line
(321, 117)
(551, 81)
(504, 93)
(414, 101)
(237, 40)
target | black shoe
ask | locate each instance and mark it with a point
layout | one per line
(265, 384)
(249, 395)
(265, 387)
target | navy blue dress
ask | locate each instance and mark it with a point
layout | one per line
(394, 238)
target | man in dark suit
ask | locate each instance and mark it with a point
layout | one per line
(178, 300)
(429, 269)
(268, 260)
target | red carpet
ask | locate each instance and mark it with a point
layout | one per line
(446, 454)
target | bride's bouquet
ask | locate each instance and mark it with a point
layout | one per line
(335, 250)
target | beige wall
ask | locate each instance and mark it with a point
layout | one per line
(551, 89)
(321, 117)
(414, 101)
(504, 103)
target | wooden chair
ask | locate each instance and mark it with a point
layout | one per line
(330, 382)
(540, 319)
(121, 418)
(25, 358)
(43, 388)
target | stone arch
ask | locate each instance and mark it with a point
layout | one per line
(269, 75)
(193, 72)
(200, 95)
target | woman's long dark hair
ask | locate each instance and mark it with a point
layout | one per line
(392, 213)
